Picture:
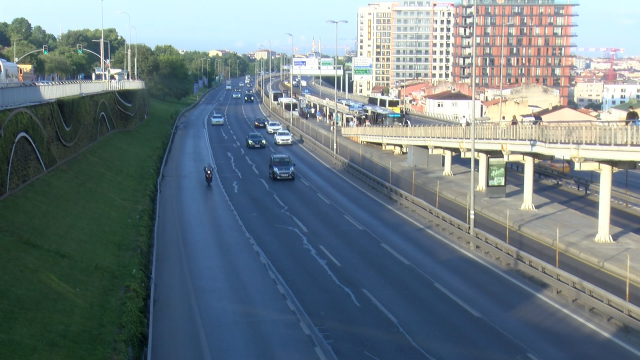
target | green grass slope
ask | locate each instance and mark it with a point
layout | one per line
(74, 249)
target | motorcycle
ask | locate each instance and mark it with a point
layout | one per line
(208, 176)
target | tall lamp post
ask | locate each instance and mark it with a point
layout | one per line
(502, 65)
(208, 59)
(291, 81)
(15, 57)
(335, 89)
(202, 70)
(237, 70)
(129, 52)
(135, 58)
(473, 125)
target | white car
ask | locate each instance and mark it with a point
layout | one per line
(273, 126)
(228, 87)
(282, 137)
(217, 119)
(241, 84)
(237, 95)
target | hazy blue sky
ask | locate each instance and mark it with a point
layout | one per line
(247, 25)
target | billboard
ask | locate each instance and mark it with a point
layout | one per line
(326, 64)
(308, 63)
(362, 69)
(496, 174)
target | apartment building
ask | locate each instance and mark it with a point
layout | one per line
(518, 41)
(588, 91)
(373, 41)
(620, 93)
(422, 41)
(405, 40)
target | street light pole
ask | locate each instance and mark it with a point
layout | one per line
(335, 87)
(135, 59)
(502, 64)
(291, 82)
(15, 57)
(473, 125)
(102, 36)
(129, 52)
(237, 71)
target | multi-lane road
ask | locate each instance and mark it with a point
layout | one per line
(251, 268)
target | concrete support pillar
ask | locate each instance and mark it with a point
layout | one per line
(482, 172)
(604, 201)
(447, 164)
(527, 203)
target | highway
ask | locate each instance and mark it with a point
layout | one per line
(251, 268)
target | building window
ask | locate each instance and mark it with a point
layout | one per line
(440, 104)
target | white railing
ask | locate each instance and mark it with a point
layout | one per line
(32, 94)
(556, 134)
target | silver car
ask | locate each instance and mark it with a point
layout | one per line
(273, 126)
(217, 119)
(282, 137)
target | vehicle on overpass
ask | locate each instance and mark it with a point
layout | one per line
(8, 73)
(281, 167)
(385, 102)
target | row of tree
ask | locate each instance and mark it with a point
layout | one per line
(166, 71)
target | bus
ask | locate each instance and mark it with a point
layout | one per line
(8, 73)
(378, 115)
(275, 95)
(385, 102)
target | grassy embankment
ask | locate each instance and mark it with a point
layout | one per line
(74, 249)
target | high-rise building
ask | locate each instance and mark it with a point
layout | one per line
(531, 39)
(422, 40)
(404, 40)
(374, 42)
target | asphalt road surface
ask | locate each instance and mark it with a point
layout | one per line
(252, 268)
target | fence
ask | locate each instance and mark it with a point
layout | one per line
(556, 134)
(14, 96)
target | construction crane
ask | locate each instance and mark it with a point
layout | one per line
(610, 75)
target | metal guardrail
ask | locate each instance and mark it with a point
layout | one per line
(592, 299)
(560, 134)
(14, 96)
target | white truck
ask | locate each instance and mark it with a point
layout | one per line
(303, 83)
(228, 87)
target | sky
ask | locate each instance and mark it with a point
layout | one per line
(249, 25)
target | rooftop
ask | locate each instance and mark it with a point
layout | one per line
(449, 95)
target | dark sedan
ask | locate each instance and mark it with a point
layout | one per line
(255, 140)
(260, 122)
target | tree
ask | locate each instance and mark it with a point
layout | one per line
(5, 38)
(20, 28)
(57, 64)
(172, 77)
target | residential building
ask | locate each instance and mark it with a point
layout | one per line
(374, 42)
(619, 93)
(517, 41)
(404, 40)
(561, 115)
(422, 41)
(449, 104)
(588, 91)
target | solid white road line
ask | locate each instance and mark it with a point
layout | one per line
(395, 253)
(460, 302)
(380, 306)
(324, 198)
(329, 255)
(353, 222)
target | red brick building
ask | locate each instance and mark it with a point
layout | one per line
(532, 37)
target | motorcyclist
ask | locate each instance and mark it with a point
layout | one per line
(208, 170)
